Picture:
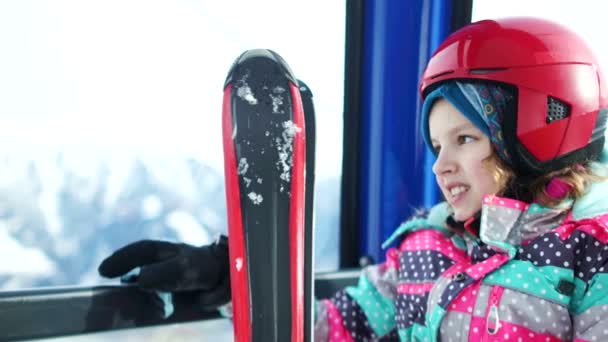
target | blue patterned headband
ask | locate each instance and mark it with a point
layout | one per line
(482, 103)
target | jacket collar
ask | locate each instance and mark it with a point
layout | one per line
(506, 224)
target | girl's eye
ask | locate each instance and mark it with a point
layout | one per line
(465, 139)
(436, 148)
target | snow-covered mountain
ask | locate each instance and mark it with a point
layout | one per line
(61, 214)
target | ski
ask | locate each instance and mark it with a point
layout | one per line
(269, 198)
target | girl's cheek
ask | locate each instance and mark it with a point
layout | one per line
(480, 166)
(482, 173)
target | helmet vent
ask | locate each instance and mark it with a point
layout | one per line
(556, 110)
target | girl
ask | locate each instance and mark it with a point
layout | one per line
(515, 111)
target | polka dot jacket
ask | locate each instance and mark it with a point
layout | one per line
(531, 274)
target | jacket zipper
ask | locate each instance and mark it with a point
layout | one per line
(493, 324)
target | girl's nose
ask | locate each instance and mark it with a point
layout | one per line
(444, 163)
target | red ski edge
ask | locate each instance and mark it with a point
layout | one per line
(296, 217)
(238, 270)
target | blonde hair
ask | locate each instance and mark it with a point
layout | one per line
(578, 177)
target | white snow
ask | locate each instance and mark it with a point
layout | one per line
(244, 91)
(187, 228)
(243, 166)
(276, 102)
(255, 198)
(23, 260)
(151, 207)
(290, 129)
(247, 181)
(285, 149)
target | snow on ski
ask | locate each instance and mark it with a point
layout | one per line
(270, 222)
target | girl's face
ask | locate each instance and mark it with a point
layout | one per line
(459, 169)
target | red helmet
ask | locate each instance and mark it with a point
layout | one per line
(561, 92)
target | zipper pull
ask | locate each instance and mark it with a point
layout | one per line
(493, 320)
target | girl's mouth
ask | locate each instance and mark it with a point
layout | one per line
(456, 193)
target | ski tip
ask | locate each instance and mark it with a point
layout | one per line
(253, 55)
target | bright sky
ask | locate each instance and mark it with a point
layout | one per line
(586, 17)
(146, 76)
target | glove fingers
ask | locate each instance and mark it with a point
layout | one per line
(136, 254)
(194, 268)
(187, 271)
(165, 276)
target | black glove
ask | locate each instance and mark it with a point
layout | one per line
(200, 272)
